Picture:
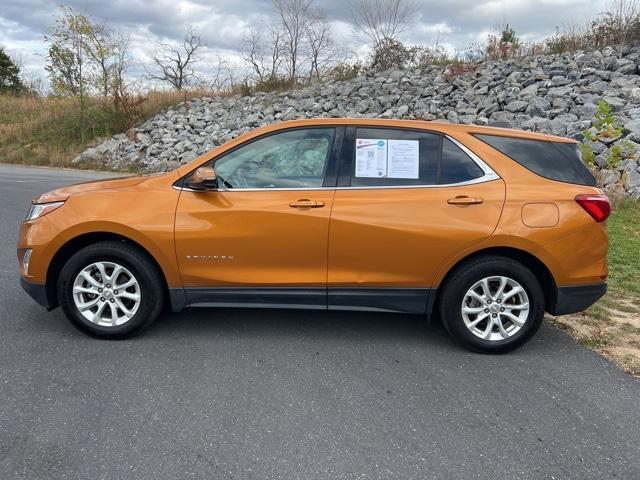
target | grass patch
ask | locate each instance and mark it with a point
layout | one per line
(624, 249)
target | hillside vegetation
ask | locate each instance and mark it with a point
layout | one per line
(37, 130)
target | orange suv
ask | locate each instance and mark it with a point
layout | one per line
(489, 227)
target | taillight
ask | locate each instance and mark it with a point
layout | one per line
(598, 206)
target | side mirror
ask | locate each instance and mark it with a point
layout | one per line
(204, 178)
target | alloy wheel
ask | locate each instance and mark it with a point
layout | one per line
(106, 293)
(495, 308)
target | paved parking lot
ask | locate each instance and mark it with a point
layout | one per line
(243, 394)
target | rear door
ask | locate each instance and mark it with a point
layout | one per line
(406, 202)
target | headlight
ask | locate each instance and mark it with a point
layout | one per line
(37, 210)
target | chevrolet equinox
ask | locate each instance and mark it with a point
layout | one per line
(489, 227)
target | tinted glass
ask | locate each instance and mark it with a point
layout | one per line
(558, 161)
(291, 159)
(456, 166)
(396, 157)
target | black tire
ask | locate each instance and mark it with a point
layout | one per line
(464, 277)
(133, 259)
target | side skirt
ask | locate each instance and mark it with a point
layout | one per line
(404, 300)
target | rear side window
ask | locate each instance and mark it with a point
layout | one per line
(457, 166)
(393, 157)
(558, 161)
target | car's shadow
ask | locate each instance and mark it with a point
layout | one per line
(295, 322)
(319, 324)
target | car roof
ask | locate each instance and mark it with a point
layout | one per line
(434, 126)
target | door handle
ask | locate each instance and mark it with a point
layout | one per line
(464, 200)
(306, 203)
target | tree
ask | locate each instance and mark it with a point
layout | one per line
(67, 58)
(9, 75)
(118, 68)
(296, 45)
(320, 43)
(175, 62)
(264, 53)
(382, 20)
(294, 17)
(101, 48)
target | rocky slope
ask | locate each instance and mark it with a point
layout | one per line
(556, 94)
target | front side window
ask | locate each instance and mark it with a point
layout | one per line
(290, 159)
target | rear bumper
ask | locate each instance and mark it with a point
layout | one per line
(37, 291)
(576, 298)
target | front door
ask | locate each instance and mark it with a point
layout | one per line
(409, 201)
(261, 238)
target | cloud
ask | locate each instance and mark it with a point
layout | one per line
(224, 23)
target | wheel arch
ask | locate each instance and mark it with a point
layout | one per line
(533, 263)
(76, 243)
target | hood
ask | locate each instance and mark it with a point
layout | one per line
(63, 193)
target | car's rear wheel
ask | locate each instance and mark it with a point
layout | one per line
(111, 290)
(492, 304)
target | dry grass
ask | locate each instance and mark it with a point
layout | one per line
(46, 130)
(611, 327)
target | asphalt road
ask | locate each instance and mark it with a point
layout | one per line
(253, 394)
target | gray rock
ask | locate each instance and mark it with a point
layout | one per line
(402, 110)
(615, 102)
(516, 106)
(633, 130)
(632, 179)
(608, 177)
(538, 106)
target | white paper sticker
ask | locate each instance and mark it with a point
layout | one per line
(371, 157)
(403, 159)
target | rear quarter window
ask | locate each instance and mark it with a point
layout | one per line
(559, 161)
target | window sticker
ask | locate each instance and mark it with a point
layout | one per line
(380, 158)
(371, 157)
(403, 159)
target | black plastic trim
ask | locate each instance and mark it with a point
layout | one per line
(576, 298)
(331, 171)
(404, 300)
(178, 299)
(258, 297)
(346, 157)
(37, 291)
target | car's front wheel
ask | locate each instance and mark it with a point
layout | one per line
(493, 304)
(110, 289)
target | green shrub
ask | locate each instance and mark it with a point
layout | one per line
(605, 128)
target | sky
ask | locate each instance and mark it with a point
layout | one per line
(224, 23)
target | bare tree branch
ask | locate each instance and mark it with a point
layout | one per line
(175, 63)
(320, 43)
(380, 20)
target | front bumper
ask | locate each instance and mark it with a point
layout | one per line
(37, 291)
(576, 298)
